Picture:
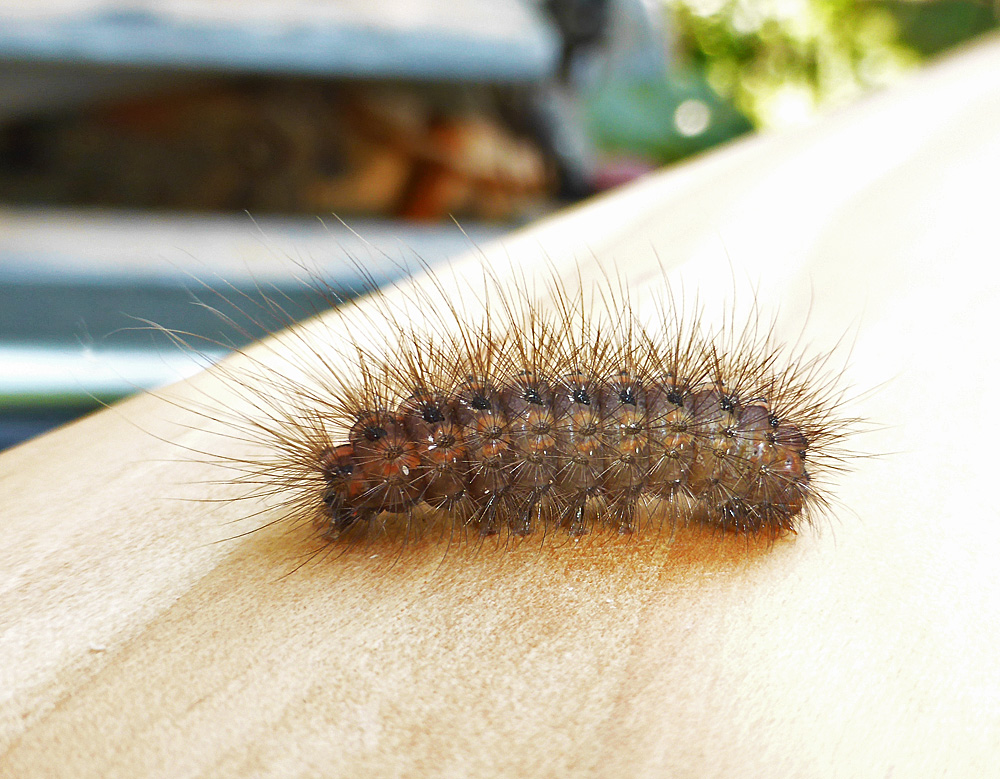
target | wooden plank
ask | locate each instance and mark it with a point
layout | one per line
(75, 285)
(140, 639)
(481, 40)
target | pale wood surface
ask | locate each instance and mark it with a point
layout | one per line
(133, 644)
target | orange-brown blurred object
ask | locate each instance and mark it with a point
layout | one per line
(294, 146)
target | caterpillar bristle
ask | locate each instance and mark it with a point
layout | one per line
(488, 411)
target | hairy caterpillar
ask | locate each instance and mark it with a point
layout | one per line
(507, 408)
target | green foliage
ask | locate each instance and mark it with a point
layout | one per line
(661, 119)
(780, 61)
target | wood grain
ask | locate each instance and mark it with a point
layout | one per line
(135, 640)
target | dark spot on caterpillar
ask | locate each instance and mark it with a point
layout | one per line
(432, 414)
(374, 433)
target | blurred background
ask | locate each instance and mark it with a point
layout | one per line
(180, 163)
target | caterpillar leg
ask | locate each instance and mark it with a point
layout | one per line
(341, 518)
